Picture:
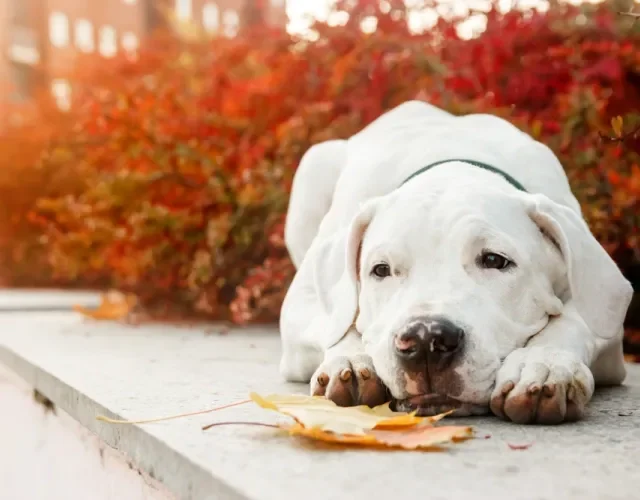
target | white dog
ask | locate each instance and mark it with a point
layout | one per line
(443, 263)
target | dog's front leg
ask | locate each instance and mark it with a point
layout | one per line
(549, 381)
(347, 375)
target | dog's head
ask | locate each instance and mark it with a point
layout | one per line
(443, 284)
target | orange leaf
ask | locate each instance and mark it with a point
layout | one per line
(113, 306)
(536, 128)
(411, 438)
(330, 437)
(422, 436)
(616, 124)
(614, 178)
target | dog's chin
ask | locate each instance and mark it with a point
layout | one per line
(428, 405)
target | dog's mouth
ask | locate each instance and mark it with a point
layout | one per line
(427, 405)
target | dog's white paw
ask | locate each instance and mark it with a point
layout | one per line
(542, 385)
(349, 381)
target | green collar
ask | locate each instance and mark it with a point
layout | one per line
(478, 164)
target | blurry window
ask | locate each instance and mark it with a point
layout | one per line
(108, 41)
(84, 35)
(58, 29)
(230, 23)
(211, 17)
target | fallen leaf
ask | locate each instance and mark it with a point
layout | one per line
(413, 438)
(401, 420)
(113, 306)
(330, 437)
(319, 419)
(525, 446)
(322, 420)
(422, 436)
(315, 412)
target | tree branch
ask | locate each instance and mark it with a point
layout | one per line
(631, 13)
(632, 135)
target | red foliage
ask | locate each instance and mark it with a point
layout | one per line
(188, 151)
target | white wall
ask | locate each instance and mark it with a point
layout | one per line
(45, 456)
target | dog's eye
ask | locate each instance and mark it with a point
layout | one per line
(490, 260)
(382, 270)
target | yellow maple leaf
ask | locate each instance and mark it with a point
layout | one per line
(317, 413)
(320, 419)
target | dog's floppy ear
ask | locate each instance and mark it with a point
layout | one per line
(336, 275)
(598, 289)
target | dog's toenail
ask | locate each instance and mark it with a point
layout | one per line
(533, 389)
(345, 376)
(508, 387)
(323, 379)
(549, 390)
(365, 374)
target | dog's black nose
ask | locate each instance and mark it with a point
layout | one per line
(430, 338)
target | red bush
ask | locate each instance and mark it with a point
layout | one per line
(188, 151)
(32, 167)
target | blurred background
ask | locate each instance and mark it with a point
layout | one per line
(149, 146)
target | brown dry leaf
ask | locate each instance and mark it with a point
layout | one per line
(315, 412)
(524, 446)
(113, 306)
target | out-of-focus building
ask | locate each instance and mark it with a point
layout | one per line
(40, 39)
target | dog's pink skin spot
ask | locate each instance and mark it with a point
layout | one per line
(413, 385)
(404, 344)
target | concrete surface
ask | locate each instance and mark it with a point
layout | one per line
(44, 300)
(90, 368)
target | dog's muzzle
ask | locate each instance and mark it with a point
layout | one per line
(429, 341)
(427, 349)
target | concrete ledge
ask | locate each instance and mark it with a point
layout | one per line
(45, 300)
(46, 454)
(89, 368)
